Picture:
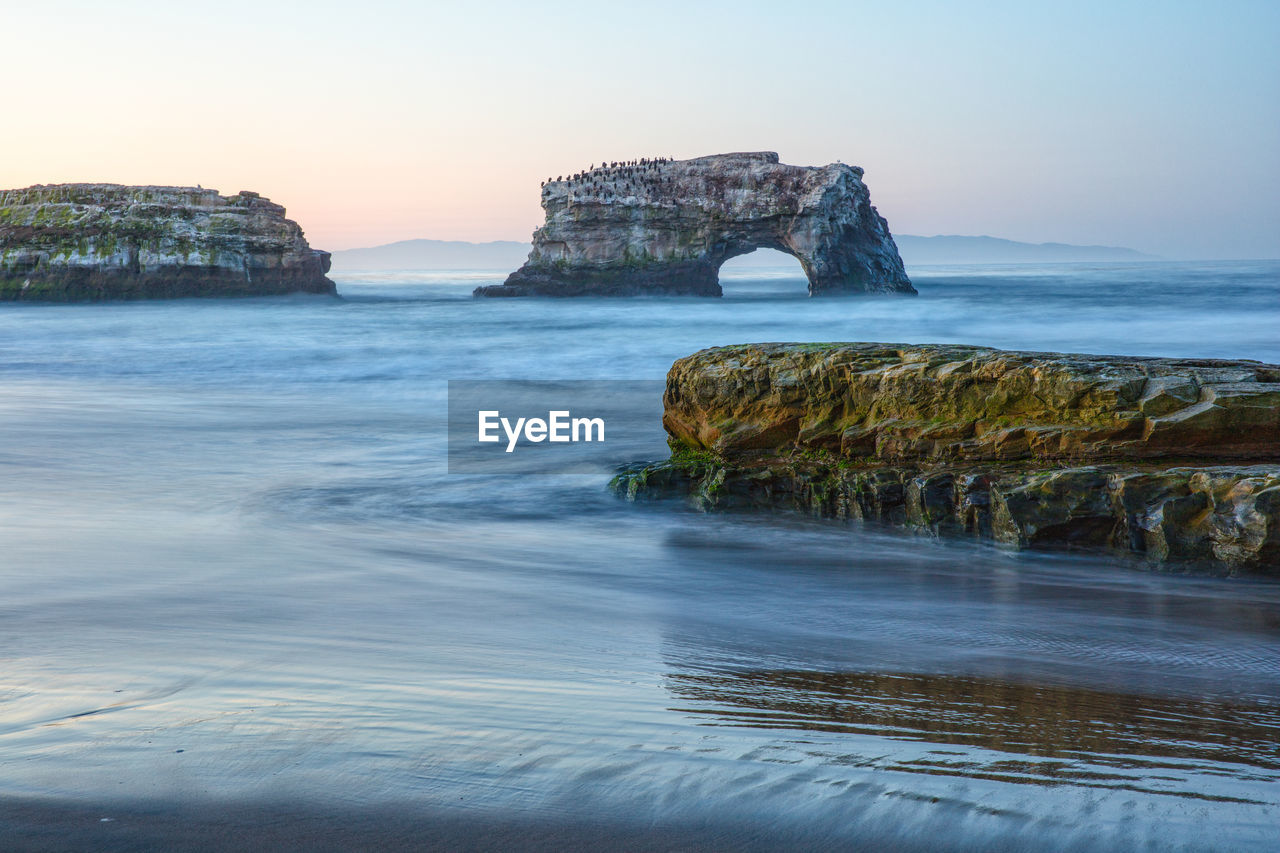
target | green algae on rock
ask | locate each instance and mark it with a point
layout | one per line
(90, 242)
(902, 402)
(1177, 460)
(666, 226)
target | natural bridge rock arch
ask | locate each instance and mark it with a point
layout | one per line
(665, 227)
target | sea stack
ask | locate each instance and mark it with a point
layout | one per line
(90, 242)
(664, 227)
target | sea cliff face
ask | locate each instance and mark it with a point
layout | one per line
(666, 226)
(88, 242)
(1175, 460)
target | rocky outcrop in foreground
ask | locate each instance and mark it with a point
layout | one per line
(1175, 460)
(666, 226)
(88, 242)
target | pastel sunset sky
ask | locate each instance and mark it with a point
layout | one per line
(1149, 125)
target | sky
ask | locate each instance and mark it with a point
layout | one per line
(1153, 125)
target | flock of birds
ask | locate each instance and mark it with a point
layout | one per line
(616, 179)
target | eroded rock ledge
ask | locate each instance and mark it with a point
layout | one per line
(666, 226)
(88, 242)
(1176, 460)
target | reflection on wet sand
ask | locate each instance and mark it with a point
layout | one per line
(1064, 735)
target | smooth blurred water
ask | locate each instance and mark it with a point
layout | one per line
(233, 568)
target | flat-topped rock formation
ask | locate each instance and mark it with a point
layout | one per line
(904, 403)
(665, 226)
(1173, 459)
(88, 242)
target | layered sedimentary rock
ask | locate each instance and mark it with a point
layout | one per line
(86, 242)
(666, 226)
(902, 403)
(1173, 459)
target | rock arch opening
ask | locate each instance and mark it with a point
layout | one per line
(763, 272)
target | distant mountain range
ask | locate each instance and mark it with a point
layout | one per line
(508, 254)
(993, 250)
(434, 255)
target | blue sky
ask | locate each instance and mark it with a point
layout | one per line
(1150, 125)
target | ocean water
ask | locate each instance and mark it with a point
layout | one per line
(240, 593)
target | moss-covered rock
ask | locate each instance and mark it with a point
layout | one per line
(88, 242)
(902, 403)
(1173, 460)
